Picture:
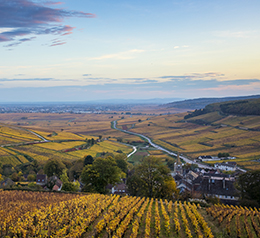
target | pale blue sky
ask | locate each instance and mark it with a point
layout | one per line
(81, 50)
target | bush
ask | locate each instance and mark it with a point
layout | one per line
(69, 187)
(31, 177)
(213, 200)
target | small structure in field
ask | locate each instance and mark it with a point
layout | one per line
(227, 166)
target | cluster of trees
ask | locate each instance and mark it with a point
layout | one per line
(151, 178)
(221, 155)
(103, 171)
(195, 113)
(248, 185)
(242, 107)
(95, 174)
(239, 107)
(16, 172)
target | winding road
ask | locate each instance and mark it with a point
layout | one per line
(135, 149)
(160, 148)
(41, 137)
(24, 143)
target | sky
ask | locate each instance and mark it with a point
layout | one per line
(86, 50)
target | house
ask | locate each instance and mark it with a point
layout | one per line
(218, 185)
(204, 158)
(227, 166)
(41, 179)
(185, 186)
(191, 175)
(119, 189)
(57, 186)
(184, 182)
(55, 183)
(178, 178)
(7, 183)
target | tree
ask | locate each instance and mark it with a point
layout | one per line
(121, 162)
(98, 175)
(220, 155)
(7, 170)
(69, 186)
(170, 163)
(40, 172)
(88, 160)
(76, 170)
(15, 177)
(151, 178)
(20, 175)
(77, 185)
(31, 177)
(249, 186)
(169, 189)
(64, 177)
(54, 167)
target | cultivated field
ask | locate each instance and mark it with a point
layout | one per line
(238, 136)
(206, 134)
(66, 134)
(35, 214)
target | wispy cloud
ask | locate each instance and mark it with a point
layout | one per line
(183, 89)
(53, 3)
(121, 55)
(140, 80)
(183, 46)
(28, 79)
(20, 41)
(19, 18)
(57, 42)
(195, 76)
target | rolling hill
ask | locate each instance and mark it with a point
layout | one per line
(199, 103)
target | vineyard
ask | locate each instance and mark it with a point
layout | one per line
(35, 214)
(238, 221)
(207, 134)
(217, 134)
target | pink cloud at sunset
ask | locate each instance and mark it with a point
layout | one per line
(34, 19)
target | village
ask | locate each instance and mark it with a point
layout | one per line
(191, 181)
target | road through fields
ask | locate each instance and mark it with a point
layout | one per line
(161, 148)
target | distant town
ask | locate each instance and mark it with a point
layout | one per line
(64, 108)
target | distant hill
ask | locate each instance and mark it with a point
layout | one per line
(200, 103)
(237, 107)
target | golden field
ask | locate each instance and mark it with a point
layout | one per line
(63, 131)
(35, 214)
(231, 134)
(218, 134)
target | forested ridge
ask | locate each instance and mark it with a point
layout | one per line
(200, 103)
(238, 107)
